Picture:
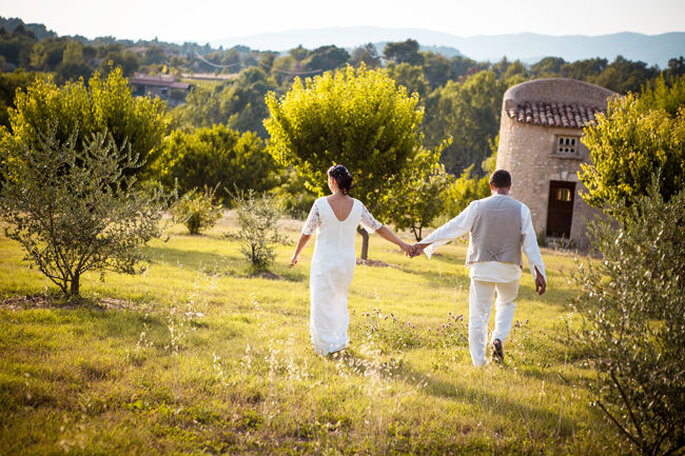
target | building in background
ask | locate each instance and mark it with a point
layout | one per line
(540, 145)
(163, 86)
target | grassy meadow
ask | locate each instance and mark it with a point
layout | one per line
(197, 356)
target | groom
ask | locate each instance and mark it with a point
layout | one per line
(498, 227)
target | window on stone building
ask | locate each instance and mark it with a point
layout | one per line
(564, 194)
(567, 146)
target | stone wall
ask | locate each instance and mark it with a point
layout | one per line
(527, 152)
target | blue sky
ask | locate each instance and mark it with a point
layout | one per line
(206, 20)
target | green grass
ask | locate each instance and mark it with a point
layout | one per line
(196, 356)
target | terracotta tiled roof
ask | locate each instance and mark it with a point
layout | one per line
(554, 114)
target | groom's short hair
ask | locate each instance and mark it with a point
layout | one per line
(500, 179)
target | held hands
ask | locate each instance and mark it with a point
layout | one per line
(417, 249)
(406, 248)
(412, 250)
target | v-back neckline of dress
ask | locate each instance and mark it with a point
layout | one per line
(334, 214)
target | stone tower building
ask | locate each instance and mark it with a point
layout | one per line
(539, 144)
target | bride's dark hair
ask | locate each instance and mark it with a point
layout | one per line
(342, 177)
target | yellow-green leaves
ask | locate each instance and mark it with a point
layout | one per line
(637, 138)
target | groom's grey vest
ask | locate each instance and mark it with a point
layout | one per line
(496, 231)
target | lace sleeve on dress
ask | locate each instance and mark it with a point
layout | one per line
(368, 222)
(312, 222)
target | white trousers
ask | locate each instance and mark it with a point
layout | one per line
(481, 297)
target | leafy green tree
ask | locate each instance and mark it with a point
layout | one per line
(326, 58)
(632, 306)
(409, 76)
(676, 67)
(73, 209)
(623, 75)
(469, 112)
(9, 84)
(101, 105)
(516, 69)
(437, 69)
(584, 70)
(357, 117)
(154, 55)
(299, 53)
(16, 46)
(548, 67)
(213, 156)
(403, 52)
(466, 188)
(639, 136)
(461, 67)
(292, 194)
(73, 54)
(238, 104)
(367, 54)
(73, 64)
(416, 198)
(117, 57)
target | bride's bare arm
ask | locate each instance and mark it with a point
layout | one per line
(301, 243)
(391, 237)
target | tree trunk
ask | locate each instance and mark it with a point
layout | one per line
(74, 289)
(365, 243)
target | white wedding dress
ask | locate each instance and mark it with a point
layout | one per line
(332, 270)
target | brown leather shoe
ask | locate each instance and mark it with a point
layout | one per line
(497, 351)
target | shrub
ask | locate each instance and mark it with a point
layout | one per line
(416, 199)
(293, 195)
(633, 310)
(82, 109)
(198, 210)
(637, 136)
(258, 216)
(72, 208)
(208, 156)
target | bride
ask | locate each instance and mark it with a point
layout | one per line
(335, 219)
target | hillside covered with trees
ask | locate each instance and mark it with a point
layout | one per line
(461, 97)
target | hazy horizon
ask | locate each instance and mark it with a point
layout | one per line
(214, 20)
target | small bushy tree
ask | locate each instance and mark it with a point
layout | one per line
(258, 216)
(633, 308)
(209, 156)
(198, 210)
(356, 117)
(417, 194)
(72, 209)
(637, 136)
(77, 108)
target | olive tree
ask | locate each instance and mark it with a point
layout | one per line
(356, 117)
(73, 209)
(632, 305)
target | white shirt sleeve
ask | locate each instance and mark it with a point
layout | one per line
(369, 223)
(455, 228)
(530, 242)
(313, 221)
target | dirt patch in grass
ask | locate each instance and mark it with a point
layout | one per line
(48, 301)
(376, 264)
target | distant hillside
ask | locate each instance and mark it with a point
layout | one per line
(529, 47)
(38, 29)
